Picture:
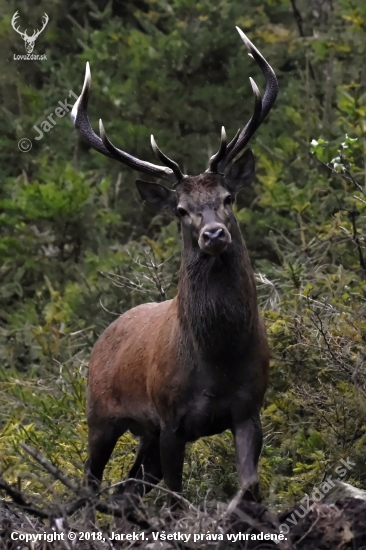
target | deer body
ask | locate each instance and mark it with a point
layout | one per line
(162, 381)
(194, 366)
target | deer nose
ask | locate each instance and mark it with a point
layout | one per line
(210, 236)
(214, 238)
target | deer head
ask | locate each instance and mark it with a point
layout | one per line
(203, 203)
(29, 40)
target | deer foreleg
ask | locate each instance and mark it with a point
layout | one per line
(248, 444)
(172, 449)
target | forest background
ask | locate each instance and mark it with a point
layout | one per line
(77, 247)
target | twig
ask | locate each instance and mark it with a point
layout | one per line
(84, 495)
(307, 532)
(55, 472)
(356, 240)
(346, 175)
(19, 500)
(149, 484)
(299, 22)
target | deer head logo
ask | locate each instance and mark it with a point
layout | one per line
(29, 40)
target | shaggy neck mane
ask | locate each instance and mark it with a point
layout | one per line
(217, 298)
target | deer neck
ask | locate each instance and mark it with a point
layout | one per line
(217, 299)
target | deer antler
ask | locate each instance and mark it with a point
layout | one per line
(227, 153)
(79, 116)
(24, 34)
(13, 22)
(37, 33)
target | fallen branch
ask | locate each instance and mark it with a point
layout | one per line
(19, 500)
(55, 472)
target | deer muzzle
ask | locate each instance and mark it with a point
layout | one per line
(214, 238)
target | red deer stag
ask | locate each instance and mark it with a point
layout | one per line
(196, 365)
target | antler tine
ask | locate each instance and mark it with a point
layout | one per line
(13, 22)
(215, 159)
(80, 120)
(261, 106)
(239, 142)
(115, 153)
(80, 117)
(234, 140)
(46, 19)
(166, 160)
(271, 80)
(134, 162)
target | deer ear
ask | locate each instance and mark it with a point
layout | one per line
(156, 196)
(241, 173)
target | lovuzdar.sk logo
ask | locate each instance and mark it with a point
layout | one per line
(29, 41)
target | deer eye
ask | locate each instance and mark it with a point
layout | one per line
(182, 212)
(228, 200)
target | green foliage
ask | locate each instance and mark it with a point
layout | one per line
(77, 248)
